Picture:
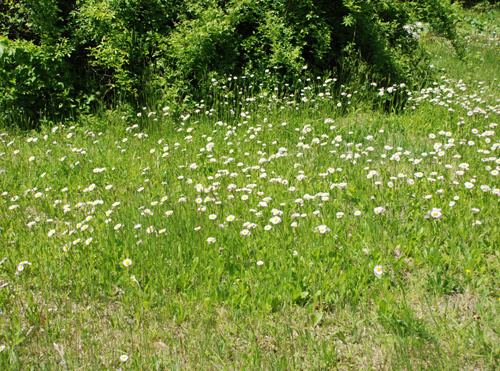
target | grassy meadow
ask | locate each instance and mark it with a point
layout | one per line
(312, 235)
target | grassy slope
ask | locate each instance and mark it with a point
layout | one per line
(315, 302)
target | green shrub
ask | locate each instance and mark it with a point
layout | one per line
(471, 3)
(140, 50)
(34, 81)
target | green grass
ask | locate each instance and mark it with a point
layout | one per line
(283, 297)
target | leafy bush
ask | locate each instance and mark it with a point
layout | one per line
(34, 81)
(135, 50)
(471, 3)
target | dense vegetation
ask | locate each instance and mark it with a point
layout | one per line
(59, 57)
(252, 229)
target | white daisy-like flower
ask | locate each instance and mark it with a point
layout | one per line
(322, 229)
(245, 233)
(127, 262)
(435, 213)
(379, 210)
(378, 271)
(211, 240)
(276, 212)
(124, 358)
(275, 220)
(22, 265)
